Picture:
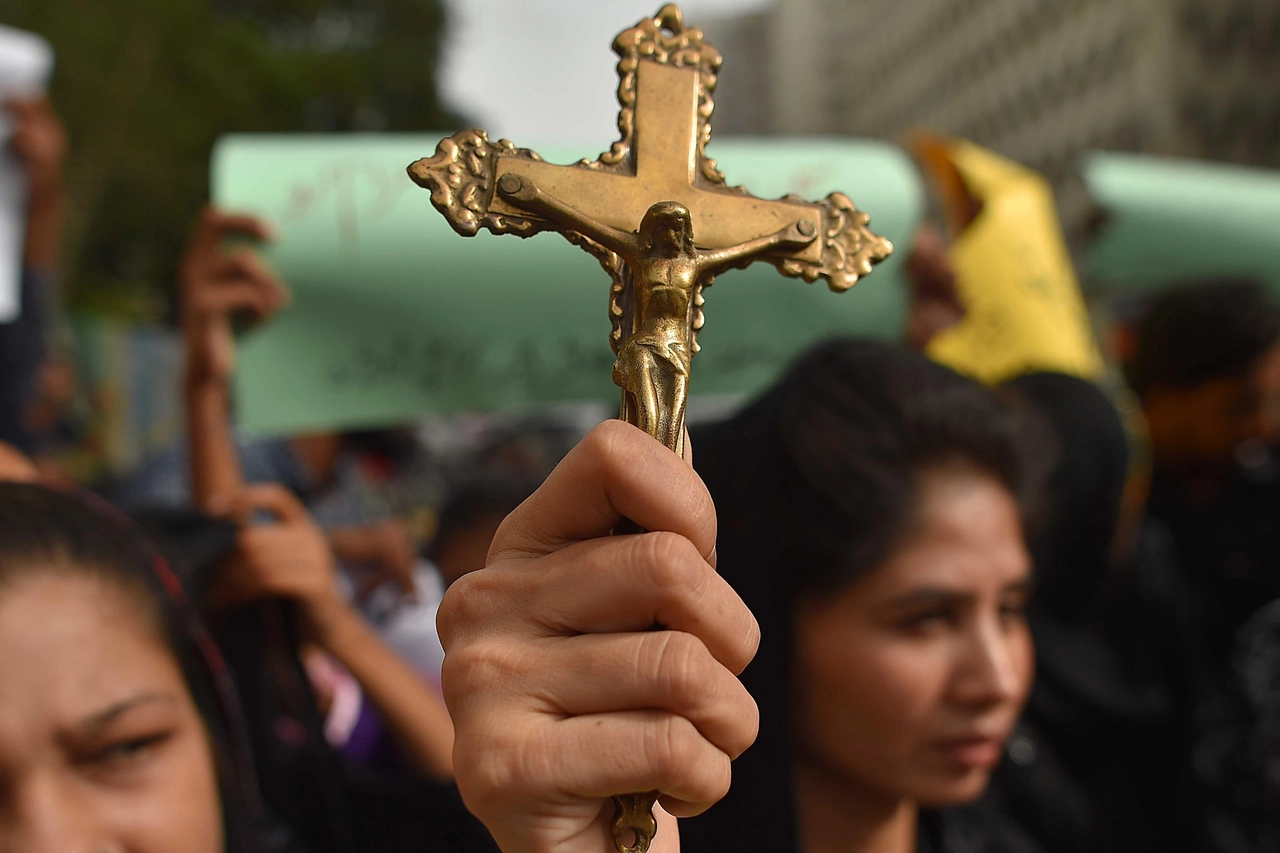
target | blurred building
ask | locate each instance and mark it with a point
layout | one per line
(1037, 80)
(744, 88)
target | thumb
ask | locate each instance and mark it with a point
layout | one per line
(667, 839)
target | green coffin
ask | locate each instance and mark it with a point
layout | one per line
(1172, 220)
(396, 316)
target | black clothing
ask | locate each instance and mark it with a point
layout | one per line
(301, 796)
(22, 352)
(1101, 760)
(1228, 548)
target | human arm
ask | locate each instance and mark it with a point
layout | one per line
(523, 193)
(40, 142)
(560, 694)
(935, 304)
(216, 286)
(291, 559)
(798, 234)
(40, 145)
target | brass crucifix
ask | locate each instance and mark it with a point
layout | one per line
(657, 214)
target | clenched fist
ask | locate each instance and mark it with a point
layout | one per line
(561, 690)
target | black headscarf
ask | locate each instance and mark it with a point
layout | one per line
(1102, 759)
(1073, 543)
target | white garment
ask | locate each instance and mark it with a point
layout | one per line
(409, 627)
(25, 62)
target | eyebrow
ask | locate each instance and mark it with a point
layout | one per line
(104, 718)
(928, 595)
(944, 595)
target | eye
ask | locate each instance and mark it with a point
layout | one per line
(128, 751)
(1013, 609)
(924, 621)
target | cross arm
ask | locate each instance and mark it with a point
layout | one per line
(793, 236)
(524, 193)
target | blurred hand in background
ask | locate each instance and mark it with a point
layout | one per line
(40, 141)
(219, 283)
(935, 304)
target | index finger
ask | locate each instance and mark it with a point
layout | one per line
(271, 498)
(616, 472)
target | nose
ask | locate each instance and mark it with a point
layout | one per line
(49, 817)
(993, 665)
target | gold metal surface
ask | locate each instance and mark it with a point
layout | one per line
(634, 826)
(658, 215)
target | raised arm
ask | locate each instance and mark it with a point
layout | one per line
(290, 558)
(215, 286)
(794, 236)
(40, 142)
(524, 193)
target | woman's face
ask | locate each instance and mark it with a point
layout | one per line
(101, 747)
(909, 680)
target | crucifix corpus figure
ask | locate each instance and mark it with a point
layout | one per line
(658, 215)
(665, 273)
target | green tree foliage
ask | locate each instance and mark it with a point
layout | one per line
(146, 87)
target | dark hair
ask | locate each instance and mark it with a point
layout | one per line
(481, 500)
(397, 447)
(44, 531)
(1202, 331)
(826, 468)
(1087, 456)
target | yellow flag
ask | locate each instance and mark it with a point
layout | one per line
(1024, 309)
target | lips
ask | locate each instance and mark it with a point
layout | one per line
(974, 752)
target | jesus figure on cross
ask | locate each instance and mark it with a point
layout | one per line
(667, 273)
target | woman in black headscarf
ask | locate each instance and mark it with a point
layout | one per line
(872, 513)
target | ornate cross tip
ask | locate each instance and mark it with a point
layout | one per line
(850, 249)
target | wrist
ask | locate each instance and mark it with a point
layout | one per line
(44, 197)
(199, 381)
(43, 229)
(331, 621)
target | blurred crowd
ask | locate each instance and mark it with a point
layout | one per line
(989, 619)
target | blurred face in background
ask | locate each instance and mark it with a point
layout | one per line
(909, 680)
(102, 749)
(1202, 427)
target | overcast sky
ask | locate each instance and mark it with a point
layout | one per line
(539, 71)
